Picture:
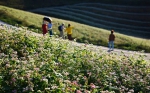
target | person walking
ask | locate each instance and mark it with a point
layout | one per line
(61, 30)
(111, 41)
(69, 32)
(44, 27)
(50, 28)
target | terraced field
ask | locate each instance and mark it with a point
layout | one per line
(130, 20)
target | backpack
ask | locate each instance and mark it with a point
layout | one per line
(59, 28)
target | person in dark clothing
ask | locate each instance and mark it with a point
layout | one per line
(111, 41)
(61, 30)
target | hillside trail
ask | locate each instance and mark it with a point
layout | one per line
(95, 48)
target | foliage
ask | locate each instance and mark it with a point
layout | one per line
(31, 63)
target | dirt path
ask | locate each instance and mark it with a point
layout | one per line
(117, 51)
(94, 47)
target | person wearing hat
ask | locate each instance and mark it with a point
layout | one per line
(50, 28)
(111, 41)
(44, 27)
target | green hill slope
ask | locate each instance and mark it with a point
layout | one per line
(129, 20)
(82, 33)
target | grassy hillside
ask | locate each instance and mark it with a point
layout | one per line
(37, 64)
(82, 33)
(128, 20)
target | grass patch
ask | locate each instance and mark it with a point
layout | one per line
(81, 32)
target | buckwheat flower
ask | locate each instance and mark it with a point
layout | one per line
(23, 58)
(59, 75)
(107, 91)
(66, 73)
(12, 71)
(98, 80)
(45, 80)
(15, 52)
(13, 79)
(15, 75)
(85, 45)
(39, 91)
(89, 73)
(2, 54)
(1, 77)
(14, 58)
(131, 90)
(37, 69)
(148, 87)
(79, 75)
(126, 89)
(31, 89)
(54, 87)
(47, 88)
(42, 63)
(75, 76)
(86, 91)
(7, 65)
(78, 91)
(25, 89)
(27, 76)
(123, 75)
(7, 45)
(67, 81)
(75, 83)
(92, 86)
(85, 78)
(141, 80)
(14, 91)
(112, 73)
(21, 78)
(24, 62)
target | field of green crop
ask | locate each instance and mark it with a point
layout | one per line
(31, 63)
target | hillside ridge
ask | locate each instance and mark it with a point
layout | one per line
(89, 46)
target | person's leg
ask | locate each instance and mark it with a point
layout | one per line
(61, 34)
(112, 45)
(109, 45)
(50, 32)
(69, 36)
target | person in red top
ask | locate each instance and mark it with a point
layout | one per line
(44, 27)
(111, 41)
